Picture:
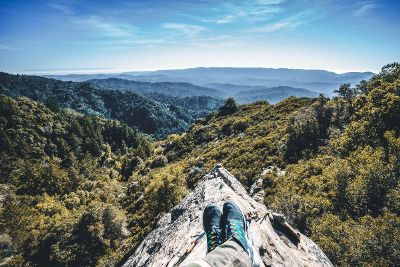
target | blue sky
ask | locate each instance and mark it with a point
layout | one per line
(67, 36)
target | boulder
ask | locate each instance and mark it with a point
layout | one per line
(178, 236)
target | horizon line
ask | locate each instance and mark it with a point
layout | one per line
(101, 70)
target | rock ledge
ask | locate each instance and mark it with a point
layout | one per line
(277, 243)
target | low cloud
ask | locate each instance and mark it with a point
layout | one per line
(363, 8)
(271, 2)
(257, 11)
(104, 27)
(188, 30)
(61, 6)
(290, 23)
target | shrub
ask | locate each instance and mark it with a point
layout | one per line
(229, 107)
(158, 161)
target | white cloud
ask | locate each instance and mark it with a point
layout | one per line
(189, 30)
(61, 6)
(363, 8)
(271, 2)
(101, 25)
(227, 19)
(289, 23)
(277, 26)
(104, 27)
(256, 11)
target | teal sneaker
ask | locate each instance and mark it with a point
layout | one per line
(211, 224)
(235, 226)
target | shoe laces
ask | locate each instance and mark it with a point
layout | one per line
(213, 238)
(234, 229)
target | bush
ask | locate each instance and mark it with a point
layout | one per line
(6, 247)
(158, 161)
(229, 107)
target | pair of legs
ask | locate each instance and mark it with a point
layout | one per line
(228, 238)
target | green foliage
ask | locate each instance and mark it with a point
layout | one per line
(307, 130)
(61, 183)
(164, 192)
(346, 92)
(159, 161)
(345, 197)
(38, 178)
(229, 107)
(367, 241)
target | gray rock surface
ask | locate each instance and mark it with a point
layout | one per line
(276, 242)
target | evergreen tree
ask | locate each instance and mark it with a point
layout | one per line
(229, 107)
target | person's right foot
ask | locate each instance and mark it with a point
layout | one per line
(211, 224)
(234, 225)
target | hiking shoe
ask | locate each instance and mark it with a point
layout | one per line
(211, 224)
(234, 225)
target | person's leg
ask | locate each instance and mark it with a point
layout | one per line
(229, 254)
(236, 249)
(199, 263)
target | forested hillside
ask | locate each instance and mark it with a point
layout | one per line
(62, 178)
(195, 100)
(341, 158)
(166, 88)
(146, 114)
(273, 94)
(83, 189)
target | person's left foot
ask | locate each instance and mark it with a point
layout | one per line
(211, 224)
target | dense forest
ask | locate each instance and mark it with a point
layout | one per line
(272, 95)
(62, 176)
(181, 97)
(84, 190)
(150, 116)
(179, 89)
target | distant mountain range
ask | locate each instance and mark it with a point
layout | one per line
(319, 81)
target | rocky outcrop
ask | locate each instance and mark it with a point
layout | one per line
(177, 238)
